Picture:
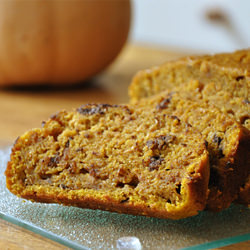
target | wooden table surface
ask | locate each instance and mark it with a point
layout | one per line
(25, 108)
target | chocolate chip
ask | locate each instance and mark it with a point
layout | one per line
(217, 139)
(125, 200)
(91, 109)
(53, 161)
(160, 142)
(206, 144)
(238, 78)
(120, 184)
(84, 171)
(164, 104)
(155, 158)
(79, 150)
(45, 176)
(154, 162)
(62, 186)
(134, 182)
(54, 116)
(68, 142)
(178, 189)
(176, 118)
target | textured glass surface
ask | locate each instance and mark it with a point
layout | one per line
(101, 230)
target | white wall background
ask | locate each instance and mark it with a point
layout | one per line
(184, 24)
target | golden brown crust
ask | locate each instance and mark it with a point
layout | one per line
(197, 190)
(238, 171)
(109, 204)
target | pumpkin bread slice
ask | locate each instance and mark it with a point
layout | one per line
(222, 80)
(116, 158)
(228, 142)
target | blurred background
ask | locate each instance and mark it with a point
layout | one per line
(60, 54)
(206, 26)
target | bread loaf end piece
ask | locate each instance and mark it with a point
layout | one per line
(228, 142)
(222, 80)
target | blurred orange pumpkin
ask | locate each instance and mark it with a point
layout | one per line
(53, 41)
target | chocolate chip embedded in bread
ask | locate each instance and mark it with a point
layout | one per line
(160, 142)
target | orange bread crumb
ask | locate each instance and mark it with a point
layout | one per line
(116, 158)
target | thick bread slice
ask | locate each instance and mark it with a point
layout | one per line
(117, 158)
(228, 142)
(222, 80)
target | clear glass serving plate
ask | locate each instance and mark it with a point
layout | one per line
(93, 229)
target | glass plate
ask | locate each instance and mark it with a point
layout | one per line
(83, 228)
